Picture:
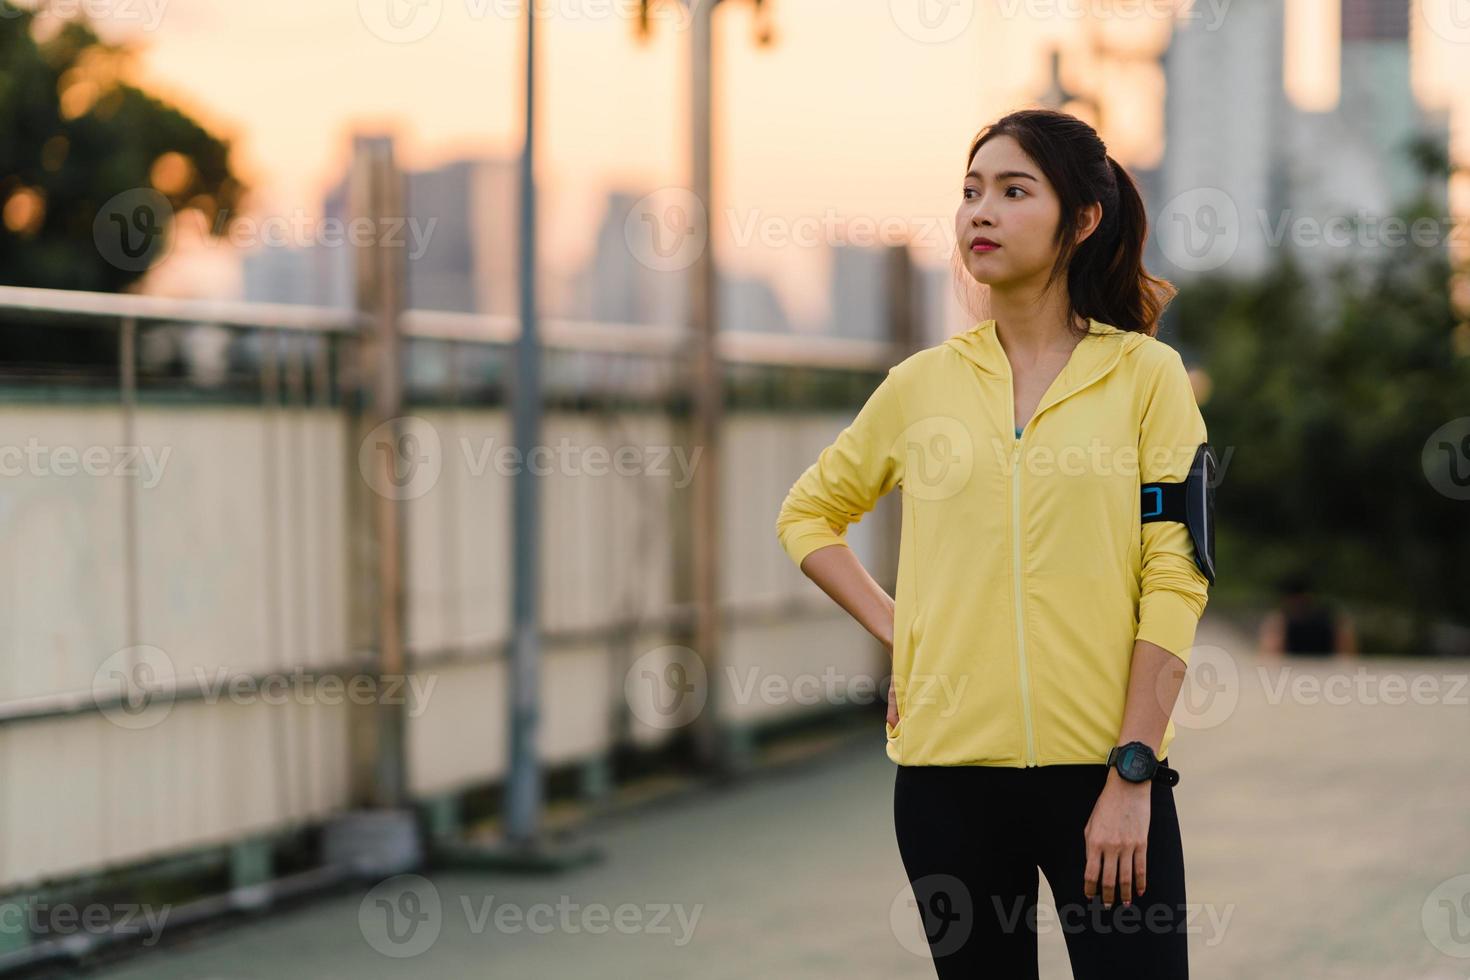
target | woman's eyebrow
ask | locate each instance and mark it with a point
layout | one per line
(1003, 175)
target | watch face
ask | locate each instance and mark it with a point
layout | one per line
(1133, 764)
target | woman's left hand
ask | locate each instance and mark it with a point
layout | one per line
(1117, 840)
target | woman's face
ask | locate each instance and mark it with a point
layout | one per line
(1008, 200)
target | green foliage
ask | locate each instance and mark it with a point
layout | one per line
(1324, 396)
(76, 152)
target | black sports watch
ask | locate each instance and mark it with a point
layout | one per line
(1135, 762)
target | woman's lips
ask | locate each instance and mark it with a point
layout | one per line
(984, 247)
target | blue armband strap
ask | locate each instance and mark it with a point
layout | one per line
(1191, 502)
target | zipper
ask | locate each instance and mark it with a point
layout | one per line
(1016, 537)
(1020, 615)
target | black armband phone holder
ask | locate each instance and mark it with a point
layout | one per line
(1191, 502)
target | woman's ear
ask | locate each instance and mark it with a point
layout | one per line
(1089, 216)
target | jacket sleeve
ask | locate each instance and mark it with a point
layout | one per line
(1173, 591)
(860, 466)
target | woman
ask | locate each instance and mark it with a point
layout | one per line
(1054, 560)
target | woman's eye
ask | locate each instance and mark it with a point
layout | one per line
(1014, 187)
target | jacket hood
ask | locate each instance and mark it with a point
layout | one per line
(1096, 353)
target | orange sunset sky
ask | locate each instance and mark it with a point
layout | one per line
(847, 112)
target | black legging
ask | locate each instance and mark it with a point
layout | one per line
(972, 839)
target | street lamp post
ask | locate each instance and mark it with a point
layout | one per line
(699, 588)
(523, 844)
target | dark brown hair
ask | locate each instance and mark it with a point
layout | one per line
(1106, 279)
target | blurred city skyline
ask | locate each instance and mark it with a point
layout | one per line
(332, 71)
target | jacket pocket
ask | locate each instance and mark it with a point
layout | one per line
(892, 731)
(900, 694)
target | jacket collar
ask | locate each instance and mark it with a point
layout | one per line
(1094, 355)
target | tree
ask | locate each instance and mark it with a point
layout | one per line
(1325, 393)
(93, 173)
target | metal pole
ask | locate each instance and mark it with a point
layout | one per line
(707, 394)
(523, 795)
(128, 385)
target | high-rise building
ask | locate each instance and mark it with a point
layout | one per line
(621, 286)
(859, 290)
(460, 248)
(1241, 160)
(1225, 119)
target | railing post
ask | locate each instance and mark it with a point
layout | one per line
(373, 396)
(128, 397)
(697, 561)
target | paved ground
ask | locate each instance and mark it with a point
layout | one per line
(1322, 835)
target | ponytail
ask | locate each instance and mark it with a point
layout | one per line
(1106, 279)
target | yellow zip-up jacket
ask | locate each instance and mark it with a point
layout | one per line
(1024, 574)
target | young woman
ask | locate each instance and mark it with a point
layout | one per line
(1054, 560)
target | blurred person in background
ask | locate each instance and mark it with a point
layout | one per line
(1305, 624)
(1045, 605)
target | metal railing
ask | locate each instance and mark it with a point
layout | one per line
(459, 330)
